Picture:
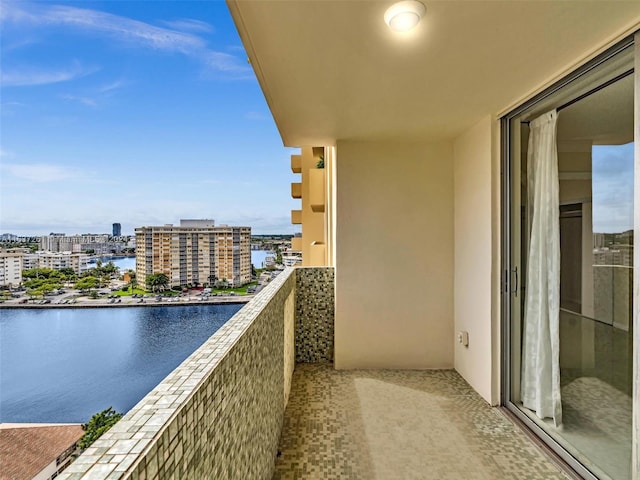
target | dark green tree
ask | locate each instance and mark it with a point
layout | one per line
(68, 272)
(41, 291)
(39, 273)
(157, 281)
(278, 255)
(97, 425)
(87, 283)
(110, 268)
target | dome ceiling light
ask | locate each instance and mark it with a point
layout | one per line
(404, 16)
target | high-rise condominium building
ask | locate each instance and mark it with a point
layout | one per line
(117, 230)
(196, 252)
(10, 268)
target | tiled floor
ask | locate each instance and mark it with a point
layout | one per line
(409, 425)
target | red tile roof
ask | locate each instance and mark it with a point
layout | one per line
(26, 449)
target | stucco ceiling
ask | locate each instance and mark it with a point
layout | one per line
(604, 118)
(333, 70)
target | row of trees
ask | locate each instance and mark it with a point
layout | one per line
(159, 282)
(40, 281)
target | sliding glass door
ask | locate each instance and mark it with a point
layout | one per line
(568, 203)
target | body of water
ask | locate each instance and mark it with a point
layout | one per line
(129, 263)
(258, 256)
(123, 263)
(64, 365)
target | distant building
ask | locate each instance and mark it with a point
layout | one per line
(30, 260)
(57, 260)
(59, 242)
(197, 251)
(101, 244)
(291, 258)
(269, 261)
(117, 230)
(11, 268)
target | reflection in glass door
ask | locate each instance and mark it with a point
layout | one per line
(570, 263)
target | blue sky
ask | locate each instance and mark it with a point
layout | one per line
(612, 187)
(137, 112)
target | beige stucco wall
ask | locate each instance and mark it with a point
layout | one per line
(472, 153)
(394, 255)
(314, 241)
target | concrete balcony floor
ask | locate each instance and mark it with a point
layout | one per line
(391, 424)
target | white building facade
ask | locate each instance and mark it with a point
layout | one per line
(79, 262)
(10, 268)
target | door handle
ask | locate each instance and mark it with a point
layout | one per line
(515, 289)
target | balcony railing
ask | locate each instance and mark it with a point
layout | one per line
(220, 413)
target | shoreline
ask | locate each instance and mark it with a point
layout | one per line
(151, 303)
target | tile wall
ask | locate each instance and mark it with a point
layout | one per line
(315, 312)
(218, 415)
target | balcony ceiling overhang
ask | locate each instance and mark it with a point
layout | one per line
(333, 70)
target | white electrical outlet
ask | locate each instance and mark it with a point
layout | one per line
(463, 338)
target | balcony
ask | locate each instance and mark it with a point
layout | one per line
(317, 189)
(296, 163)
(260, 399)
(296, 190)
(398, 424)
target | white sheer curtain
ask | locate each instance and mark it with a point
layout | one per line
(541, 337)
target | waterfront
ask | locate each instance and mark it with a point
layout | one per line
(64, 365)
(123, 263)
(258, 257)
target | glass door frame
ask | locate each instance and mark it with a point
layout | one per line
(510, 281)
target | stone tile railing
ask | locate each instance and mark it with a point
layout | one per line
(219, 414)
(315, 313)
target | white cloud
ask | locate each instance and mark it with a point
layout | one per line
(131, 31)
(30, 77)
(122, 28)
(190, 25)
(89, 102)
(9, 47)
(112, 86)
(39, 172)
(227, 63)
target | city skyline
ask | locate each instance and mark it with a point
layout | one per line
(139, 113)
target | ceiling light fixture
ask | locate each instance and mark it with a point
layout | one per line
(404, 16)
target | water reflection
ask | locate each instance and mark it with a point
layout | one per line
(63, 365)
